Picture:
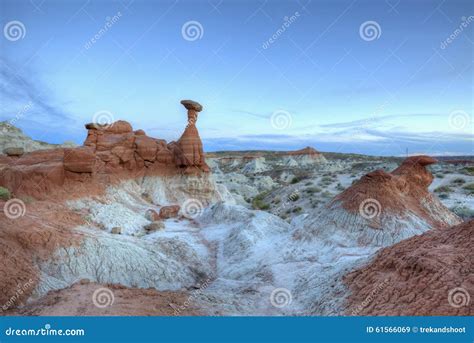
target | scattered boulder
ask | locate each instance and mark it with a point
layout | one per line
(146, 147)
(155, 226)
(13, 151)
(116, 230)
(152, 215)
(169, 211)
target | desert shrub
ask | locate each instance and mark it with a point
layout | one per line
(277, 200)
(308, 183)
(326, 194)
(4, 193)
(258, 202)
(297, 209)
(443, 189)
(440, 175)
(443, 196)
(458, 181)
(464, 212)
(327, 179)
(294, 180)
(468, 170)
(339, 187)
(312, 190)
(294, 197)
(469, 188)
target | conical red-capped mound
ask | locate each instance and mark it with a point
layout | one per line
(189, 151)
(431, 274)
(403, 190)
(382, 208)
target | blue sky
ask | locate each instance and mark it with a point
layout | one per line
(322, 80)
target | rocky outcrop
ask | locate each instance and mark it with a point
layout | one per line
(13, 137)
(109, 152)
(382, 208)
(427, 275)
(188, 149)
(303, 157)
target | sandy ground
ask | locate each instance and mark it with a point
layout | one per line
(91, 299)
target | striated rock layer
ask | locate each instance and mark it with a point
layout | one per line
(110, 152)
(427, 275)
(382, 208)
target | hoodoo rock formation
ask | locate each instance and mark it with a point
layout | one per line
(109, 152)
(188, 150)
(382, 208)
